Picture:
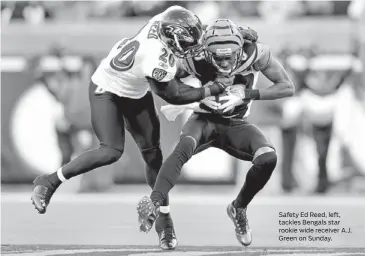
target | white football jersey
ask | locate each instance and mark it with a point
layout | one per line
(124, 71)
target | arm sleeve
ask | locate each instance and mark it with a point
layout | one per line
(176, 92)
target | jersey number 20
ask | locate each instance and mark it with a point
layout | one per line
(125, 58)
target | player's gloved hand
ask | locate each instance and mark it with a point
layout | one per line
(218, 86)
(213, 89)
(249, 34)
(234, 98)
(209, 103)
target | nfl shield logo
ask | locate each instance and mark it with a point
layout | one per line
(158, 74)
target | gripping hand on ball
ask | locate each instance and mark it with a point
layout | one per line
(234, 98)
(209, 103)
(218, 86)
(213, 89)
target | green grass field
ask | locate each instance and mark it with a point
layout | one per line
(106, 224)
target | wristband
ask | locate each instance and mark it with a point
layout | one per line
(252, 94)
(206, 92)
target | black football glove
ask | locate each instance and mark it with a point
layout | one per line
(249, 34)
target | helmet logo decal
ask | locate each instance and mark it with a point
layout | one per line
(224, 51)
(180, 32)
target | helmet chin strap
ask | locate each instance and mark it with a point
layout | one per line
(223, 71)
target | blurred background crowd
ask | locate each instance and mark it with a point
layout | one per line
(37, 12)
(51, 48)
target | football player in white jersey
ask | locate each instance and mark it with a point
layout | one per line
(222, 122)
(120, 98)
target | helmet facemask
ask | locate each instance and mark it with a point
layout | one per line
(224, 57)
(179, 40)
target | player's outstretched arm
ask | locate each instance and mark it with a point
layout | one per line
(274, 71)
(282, 87)
(177, 93)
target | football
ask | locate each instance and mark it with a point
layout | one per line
(220, 101)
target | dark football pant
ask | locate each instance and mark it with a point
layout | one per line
(110, 114)
(65, 145)
(238, 138)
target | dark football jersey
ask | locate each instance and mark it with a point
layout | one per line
(246, 73)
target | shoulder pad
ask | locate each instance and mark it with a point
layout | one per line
(249, 49)
(263, 57)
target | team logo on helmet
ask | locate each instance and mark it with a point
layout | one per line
(181, 32)
(224, 51)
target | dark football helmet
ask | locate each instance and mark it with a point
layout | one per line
(181, 31)
(222, 42)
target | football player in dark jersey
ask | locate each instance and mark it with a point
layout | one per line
(222, 122)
